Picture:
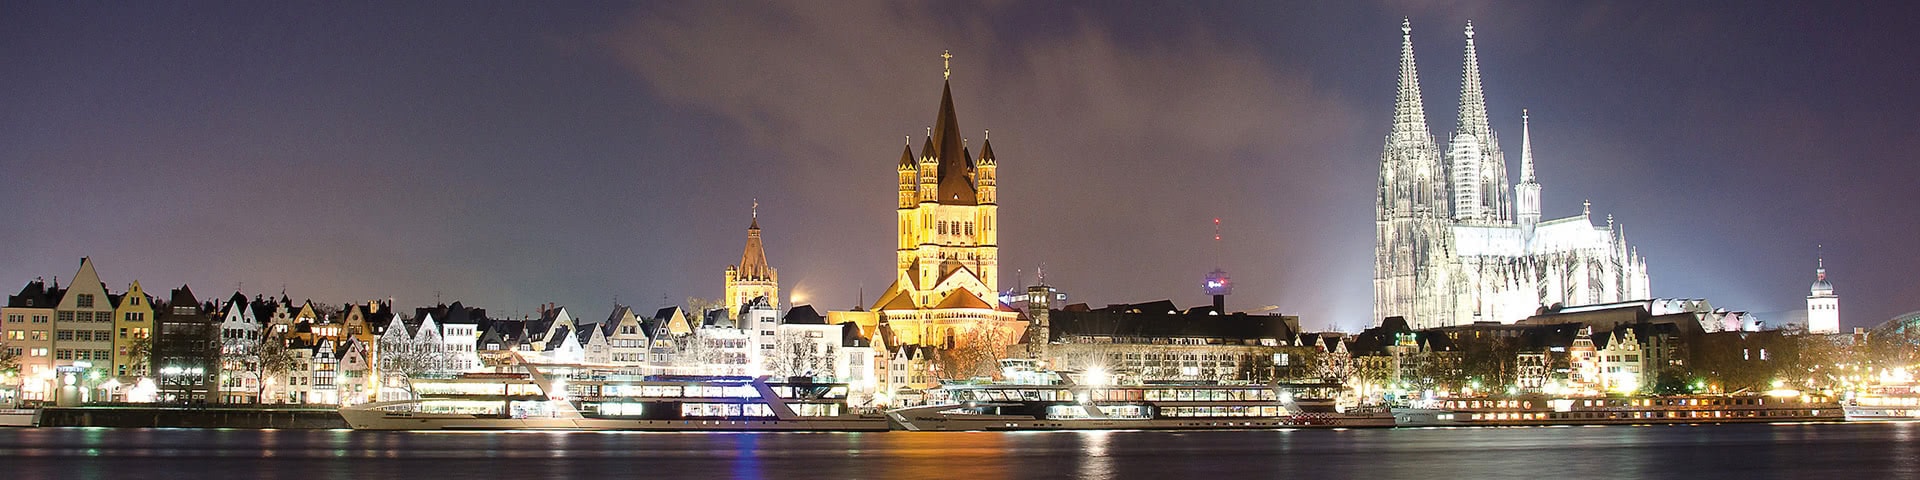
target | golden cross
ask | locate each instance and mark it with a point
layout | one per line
(946, 63)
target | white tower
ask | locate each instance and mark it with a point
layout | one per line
(1823, 307)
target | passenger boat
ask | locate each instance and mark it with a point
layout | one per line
(1061, 404)
(1892, 403)
(1532, 410)
(531, 401)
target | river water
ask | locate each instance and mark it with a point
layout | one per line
(1820, 451)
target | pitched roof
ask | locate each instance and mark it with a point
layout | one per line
(804, 315)
(962, 298)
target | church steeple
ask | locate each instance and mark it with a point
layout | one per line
(753, 260)
(1409, 111)
(752, 278)
(1412, 181)
(1478, 167)
(950, 150)
(1473, 99)
(1526, 194)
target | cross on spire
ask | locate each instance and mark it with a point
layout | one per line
(756, 209)
(946, 64)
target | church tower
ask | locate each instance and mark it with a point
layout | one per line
(1478, 167)
(752, 277)
(1823, 307)
(1526, 194)
(947, 254)
(1412, 246)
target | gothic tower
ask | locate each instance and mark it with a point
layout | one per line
(1526, 194)
(1412, 247)
(752, 277)
(1478, 167)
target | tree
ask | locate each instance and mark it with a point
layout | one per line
(9, 361)
(140, 352)
(795, 355)
(276, 360)
(976, 352)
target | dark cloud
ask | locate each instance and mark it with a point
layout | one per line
(514, 154)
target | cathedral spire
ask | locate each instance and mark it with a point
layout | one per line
(1473, 99)
(1526, 148)
(1409, 112)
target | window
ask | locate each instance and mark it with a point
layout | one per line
(84, 300)
(63, 354)
(66, 317)
(16, 318)
(39, 319)
(16, 334)
(64, 335)
(39, 352)
(40, 335)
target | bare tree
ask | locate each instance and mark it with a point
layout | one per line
(796, 355)
(275, 361)
(975, 352)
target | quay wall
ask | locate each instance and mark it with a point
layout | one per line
(290, 418)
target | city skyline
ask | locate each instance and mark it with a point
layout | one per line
(510, 156)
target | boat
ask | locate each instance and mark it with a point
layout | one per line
(1026, 403)
(1884, 403)
(602, 401)
(1539, 410)
(19, 417)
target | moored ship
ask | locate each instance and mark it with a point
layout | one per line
(1900, 402)
(530, 401)
(1539, 410)
(1025, 404)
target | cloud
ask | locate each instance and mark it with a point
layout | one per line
(1103, 138)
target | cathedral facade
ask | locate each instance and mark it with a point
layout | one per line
(1453, 245)
(947, 258)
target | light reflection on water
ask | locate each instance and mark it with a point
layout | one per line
(1888, 450)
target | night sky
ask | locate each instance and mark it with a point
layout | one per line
(514, 153)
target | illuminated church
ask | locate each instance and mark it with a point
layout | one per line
(1453, 247)
(947, 259)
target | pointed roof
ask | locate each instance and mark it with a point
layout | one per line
(962, 298)
(183, 296)
(956, 181)
(906, 155)
(753, 261)
(1409, 111)
(1473, 100)
(1526, 149)
(986, 151)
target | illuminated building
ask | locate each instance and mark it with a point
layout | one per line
(752, 278)
(1823, 307)
(29, 336)
(133, 321)
(948, 254)
(1452, 248)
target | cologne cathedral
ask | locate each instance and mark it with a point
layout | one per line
(1454, 246)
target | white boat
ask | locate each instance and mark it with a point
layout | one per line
(1026, 404)
(1535, 410)
(509, 401)
(19, 417)
(1885, 403)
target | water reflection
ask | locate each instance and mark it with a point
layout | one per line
(1887, 450)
